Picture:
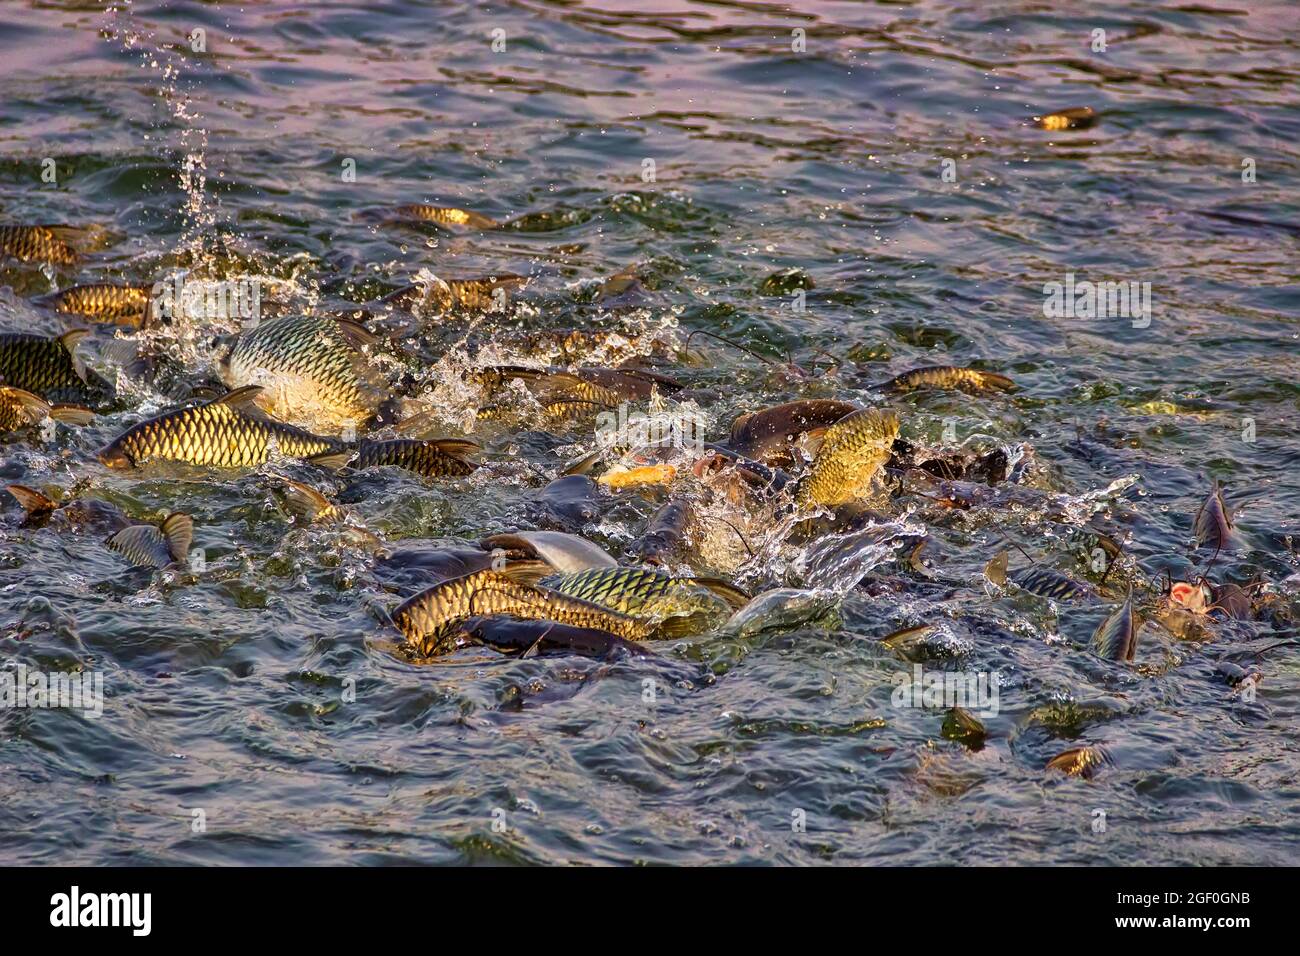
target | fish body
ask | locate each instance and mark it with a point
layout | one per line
(1117, 637)
(1036, 579)
(48, 367)
(772, 435)
(1080, 761)
(432, 458)
(647, 593)
(431, 619)
(1213, 522)
(53, 244)
(156, 546)
(452, 295)
(514, 636)
(227, 432)
(1076, 117)
(104, 302)
(78, 513)
(665, 534)
(445, 216)
(851, 455)
(19, 409)
(563, 552)
(311, 369)
(949, 377)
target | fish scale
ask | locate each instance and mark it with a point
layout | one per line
(104, 302)
(310, 361)
(851, 454)
(36, 243)
(423, 457)
(218, 433)
(46, 367)
(431, 619)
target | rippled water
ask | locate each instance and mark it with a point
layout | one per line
(232, 693)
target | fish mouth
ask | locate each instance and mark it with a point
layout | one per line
(114, 458)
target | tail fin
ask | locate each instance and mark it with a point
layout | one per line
(33, 502)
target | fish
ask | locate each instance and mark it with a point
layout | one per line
(950, 377)
(156, 546)
(962, 726)
(1036, 579)
(20, 408)
(652, 594)
(444, 216)
(1080, 761)
(312, 370)
(1076, 117)
(773, 434)
(79, 512)
(563, 552)
(439, 296)
(129, 305)
(664, 536)
(850, 456)
(604, 386)
(50, 368)
(431, 620)
(307, 505)
(1213, 522)
(226, 432)
(660, 474)
(527, 638)
(58, 245)
(1116, 638)
(432, 458)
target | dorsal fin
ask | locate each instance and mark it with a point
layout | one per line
(456, 447)
(69, 340)
(71, 414)
(357, 335)
(178, 529)
(303, 501)
(241, 399)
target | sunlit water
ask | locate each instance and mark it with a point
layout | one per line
(265, 692)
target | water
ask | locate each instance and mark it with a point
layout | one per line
(266, 693)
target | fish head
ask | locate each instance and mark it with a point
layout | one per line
(115, 456)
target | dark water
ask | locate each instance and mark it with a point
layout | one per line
(227, 694)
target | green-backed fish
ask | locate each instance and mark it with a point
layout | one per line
(432, 458)
(156, 546)
(1117, 637)
(19, 408)
(227, 432)
(104, 302)
(50, 368)
(58, 245)
(653, 595)
(431, 619)
(950, 376)
(312, 370)
(851, 455)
